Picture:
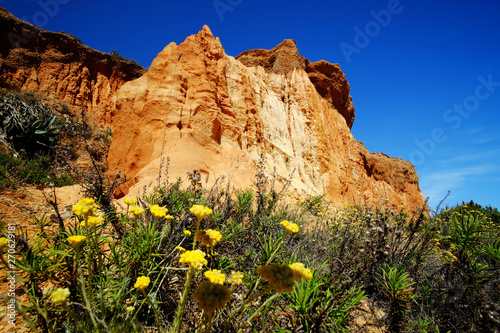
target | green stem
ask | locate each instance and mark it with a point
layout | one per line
(243, 306)
(152, 237)
(84, 293)
(259, 310)
(196, 232)
(271, 257)
(89, 252)
(157, 313)
(176, 327)
(238, 310)
(209, 323)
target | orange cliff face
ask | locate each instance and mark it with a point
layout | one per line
(209, 111)
(59, 66)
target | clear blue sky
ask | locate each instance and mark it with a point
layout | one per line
(424, 75)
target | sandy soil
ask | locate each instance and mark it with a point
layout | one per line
(21, 208)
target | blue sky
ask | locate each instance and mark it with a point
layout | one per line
(424, 75)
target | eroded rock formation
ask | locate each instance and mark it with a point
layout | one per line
(328, 78)
(213, 112)
(59, 66)
(209, 111)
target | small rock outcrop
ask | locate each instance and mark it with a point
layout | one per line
(59, 66)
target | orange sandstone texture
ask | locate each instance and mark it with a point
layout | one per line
(59, 66)
(209, 111)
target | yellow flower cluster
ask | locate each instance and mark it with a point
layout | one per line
(235, 278)
(130, 201)
(215, 276)
(208, 237)
(3, 242)
(76, 241)
(445, 257)
(136, 210)
(282, 277)
(187, 233)
(59, 295)
(290, 227)
(142, 283)
(322, 211)
(92, 221)
(158, 211)
(211, 296)
(85, 207)
(129, 309)
(195, 259)
(300, 271)
(200, 211)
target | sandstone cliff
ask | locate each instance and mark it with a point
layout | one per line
(59, 66)
(209, 111)
(327, 78)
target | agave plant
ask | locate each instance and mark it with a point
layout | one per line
(30, 126)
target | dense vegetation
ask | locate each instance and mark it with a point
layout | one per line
(426, 273)
(183, 258)
(40, 141)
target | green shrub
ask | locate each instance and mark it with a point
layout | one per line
(29, 126)
(15, 171)
(427, 274)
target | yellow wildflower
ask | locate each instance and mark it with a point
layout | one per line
(200, 211)
(208, 237)
(290, 227)
(130, 201)
(300, 271)
(187, 233)
(92, 221)
(129, 309)
(211, 296)
(158, 211)
(76, 241)
(215, 276)
(85, 207)
(195, 259)
(136, 210)
(180, 249)
(235, 278)
(3, 242)
(59, 295)
(281, 277)
(142, 283)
